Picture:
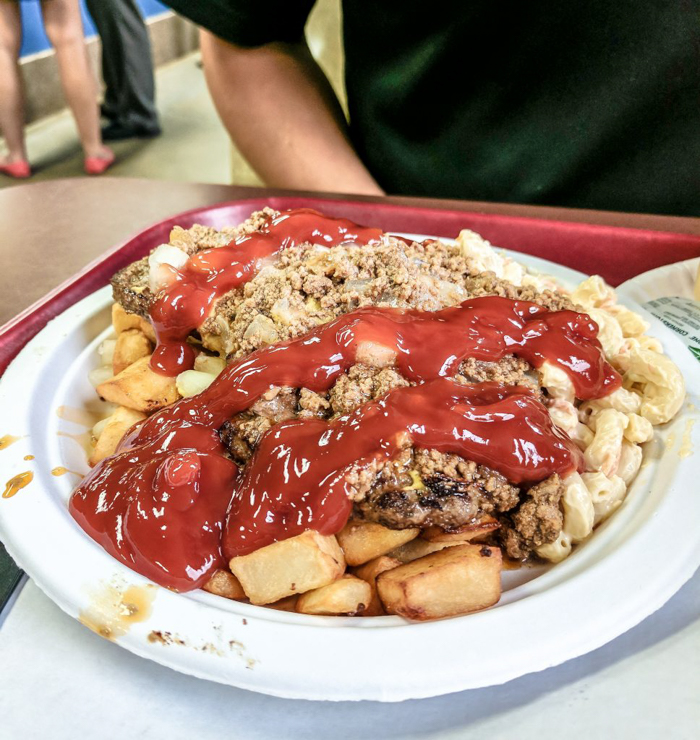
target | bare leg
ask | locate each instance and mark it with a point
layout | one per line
(11, 92)
(64, 28)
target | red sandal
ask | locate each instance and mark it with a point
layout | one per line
(19, 169)
(98, 165)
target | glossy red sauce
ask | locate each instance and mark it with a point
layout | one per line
(207, 275)
(426, 345)
(505, 428)
(160, 507)
(297, 479)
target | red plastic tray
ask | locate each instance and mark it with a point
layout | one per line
(615, 253)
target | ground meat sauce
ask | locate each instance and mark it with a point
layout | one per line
(159, 504)
(210, 273)
(296, 479)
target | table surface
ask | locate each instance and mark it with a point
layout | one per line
(645, 683)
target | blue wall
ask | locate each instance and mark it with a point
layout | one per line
(33, 36)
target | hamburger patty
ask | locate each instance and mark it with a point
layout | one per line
(419, 488)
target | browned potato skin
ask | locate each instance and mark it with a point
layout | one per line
(288, 604)
(369, 572)
(140, 388)
(225, 584)
(132, 345)
(118, 425)
(364, 541)
(292, 566)
(466, 533)
(455, 580)
(419, 548)
(347, 596)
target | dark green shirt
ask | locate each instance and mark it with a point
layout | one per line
(593, 104)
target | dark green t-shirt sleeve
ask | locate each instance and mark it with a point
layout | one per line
(248, 22)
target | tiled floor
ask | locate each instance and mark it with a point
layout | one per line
(194, 146)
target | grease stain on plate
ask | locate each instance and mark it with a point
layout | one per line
(7, 440)
(686, 449)
(82, 417)
(84, 440)
(60, 470)
(112, 611)
(17, 483)
(160, 637)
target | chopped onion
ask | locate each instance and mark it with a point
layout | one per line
(209, 364)
(100, 375)
(192, 382)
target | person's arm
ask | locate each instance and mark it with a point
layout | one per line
(281, 112)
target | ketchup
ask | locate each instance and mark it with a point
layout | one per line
(208, 274)
(426, 345)
(160, 502)
(296, 479)
(160, 507)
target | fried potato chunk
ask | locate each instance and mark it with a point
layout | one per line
(140, 388)
(348, 595)
(132, 345)
(293, 566)
(225, 584)
(369, 572)
(122, 320)
(455, 580)
(364, 541)
(118, 424)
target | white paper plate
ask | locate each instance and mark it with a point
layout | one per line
(631, 566)
(677, 279)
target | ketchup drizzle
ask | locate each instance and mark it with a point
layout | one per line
(160, 507)
(297, 480)
(159, 504)
(426, 345)
(208, 274)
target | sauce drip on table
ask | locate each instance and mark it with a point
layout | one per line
(159, 504)
(210, 273)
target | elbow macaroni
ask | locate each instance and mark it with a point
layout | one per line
(608, 430)
(594, 292)
(609, 331)
(611, 429)
(603, 454)
(556, 382)
(660, 382)
(630, 461)
(484, 258)
(606, 493)
(579, 516)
